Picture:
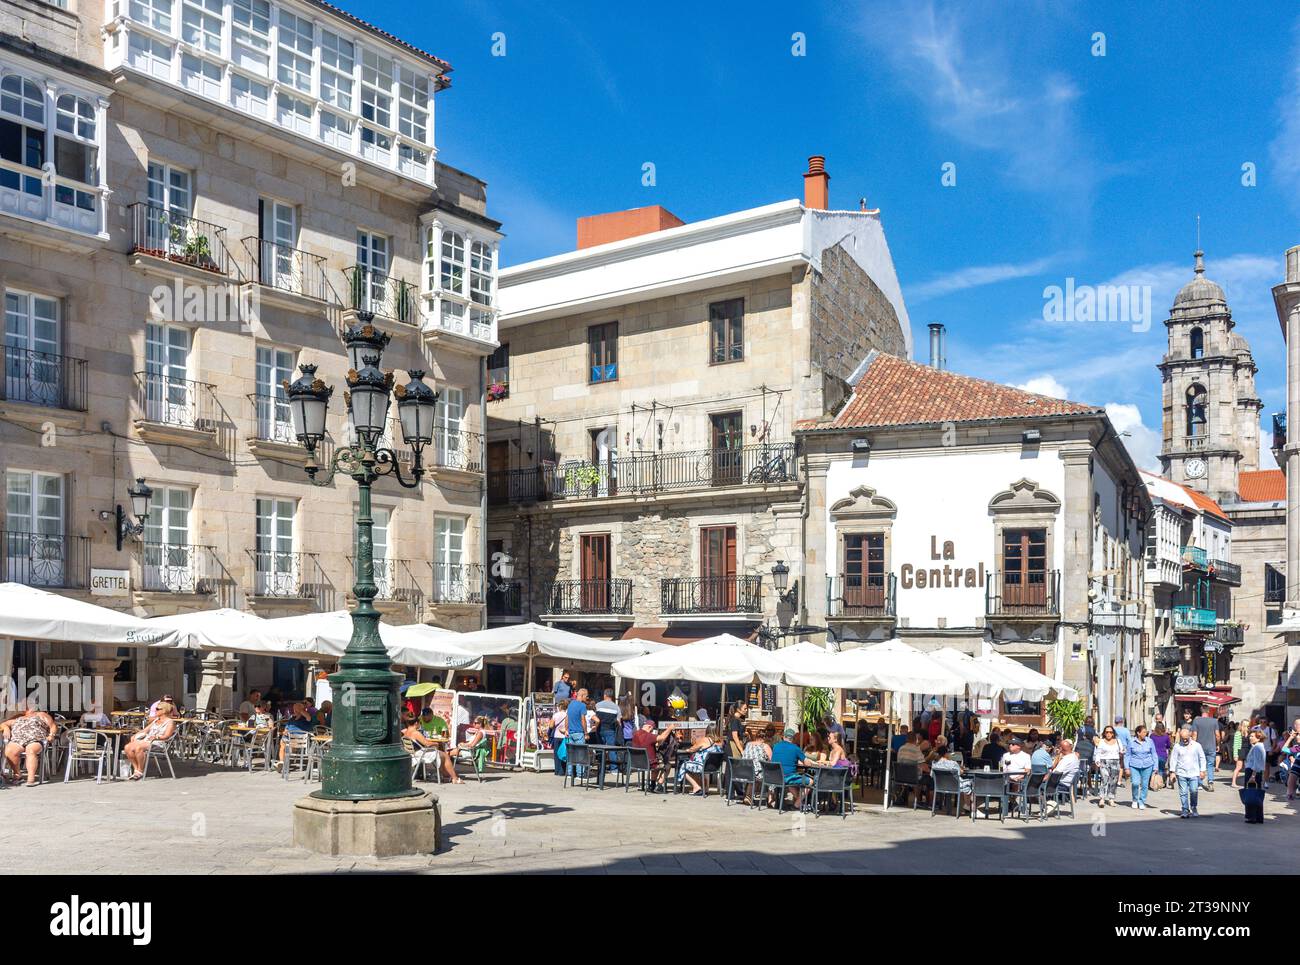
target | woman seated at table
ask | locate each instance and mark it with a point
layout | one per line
(475, 734)
(161, 728)
(816, 744)
(429, 750)
(758, 751)
(699, 750)
(261, 715)
(298, 722)
(27, 736)
(944, 764)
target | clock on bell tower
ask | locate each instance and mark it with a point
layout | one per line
(1210, 407)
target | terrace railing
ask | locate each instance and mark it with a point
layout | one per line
(864, 597)
(386, 297)
(685, 596)
(1021, 594)
(42, 378)
(178, 238)
(589, 597)
(53, 560)
(656, 472)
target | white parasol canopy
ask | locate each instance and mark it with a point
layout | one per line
(891, 665)
(313, 635)
(533, 639)
(722, 659)
(982, 679)
(30, 613)
(1027, 682)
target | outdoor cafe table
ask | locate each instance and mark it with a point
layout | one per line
(601, 750)
(116, 733)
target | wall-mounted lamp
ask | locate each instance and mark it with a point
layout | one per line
(140, 495)
(781, 580)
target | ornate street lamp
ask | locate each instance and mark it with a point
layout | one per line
(781, 580)
(140, 495)
(366, 760)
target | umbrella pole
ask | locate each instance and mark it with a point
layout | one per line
(889, 746)
(722, 712)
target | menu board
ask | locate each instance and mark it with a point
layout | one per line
(443, 705)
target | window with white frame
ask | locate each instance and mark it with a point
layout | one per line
(275, 563)
(372, 262)
(250, 36)
(335, 130)
(453, 262)
(22, 134)
(449, 581)
(480, 273)
(167, 552)
(33, 340)
(449, 422)
(201, 24)
(150, 56)
(76, 151)
(294, 54)
(337, 61)
(413, 105)
(169, 396)
(152, 13)
(293, 113)
(201, 76)
(35, 545)
(376, 105)
(274, 368)
(249, 95)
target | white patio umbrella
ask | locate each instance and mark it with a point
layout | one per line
(534, 639)
(30, 613)
(1026, 683)
(982, 679)
(328, 634)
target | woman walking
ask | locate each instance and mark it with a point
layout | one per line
(1141, 760)
(1109, 758)
(1256, 768)
(1162, 741)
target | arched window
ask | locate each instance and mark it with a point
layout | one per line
(1198, 343)
(22, 98)
(1196, 412)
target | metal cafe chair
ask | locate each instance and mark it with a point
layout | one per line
(638, 763)
(907, 776)
(159, 750)
(87, 746)
(577, 766)
(946, 784)
(987, 786)
(741, 773)
(828, 782)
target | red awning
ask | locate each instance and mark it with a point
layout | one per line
(1215, 699)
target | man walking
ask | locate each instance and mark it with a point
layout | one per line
(1187, 764)
(1206, 730)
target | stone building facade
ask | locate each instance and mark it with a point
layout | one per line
(203, 236)
(642, 471)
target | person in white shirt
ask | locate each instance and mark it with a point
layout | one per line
(1187, 764)
(249, 705)
(1066, 764)
(1015, 762)
(95, 716)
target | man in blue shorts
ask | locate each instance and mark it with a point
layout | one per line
(789, 754)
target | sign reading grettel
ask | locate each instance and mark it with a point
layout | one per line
(110, 582)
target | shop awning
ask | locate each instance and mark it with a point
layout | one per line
(29, 613)
(1215, 698)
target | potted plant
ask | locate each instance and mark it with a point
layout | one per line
(814, 704)
(496, 391)
(1065, 716)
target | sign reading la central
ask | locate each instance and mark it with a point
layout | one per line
(946, 577)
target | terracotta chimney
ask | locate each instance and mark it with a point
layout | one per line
(817, 184)
(601, 229)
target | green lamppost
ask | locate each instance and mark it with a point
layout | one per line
(366, 760)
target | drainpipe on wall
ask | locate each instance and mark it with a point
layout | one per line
(483, 510)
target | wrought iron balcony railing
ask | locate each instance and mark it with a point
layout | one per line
(178, 238)
(1023, 594)
(1194, 557)
(458, 583)
(183, 568)
(858, 596)
(1229, 633)
(1166, 658)
(456, 448)
(1225, 572)
(180, 403)
(289, 270)
(272, 422)
(395, 581)
(649, 473)
(680, 596)
(1196, 619)
(589, 598)
(386, 297)
(291, 576)
(505, 599)
(54, 560)
(41, 378)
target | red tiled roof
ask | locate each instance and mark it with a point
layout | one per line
(1205, 504)
(370, 27)
(1265, 486)
(895, 392)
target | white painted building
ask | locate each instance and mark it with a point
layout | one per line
(954, 512)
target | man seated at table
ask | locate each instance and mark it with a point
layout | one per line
(324, 715)
(910, 751)
(95, 716)
(431, 724)
(1015, 764)
(944, 764)
(1041, 754)
(900, 738)
(298, 722)
(249, 704)
(1066, 763)
(789, 755)
(649, 740)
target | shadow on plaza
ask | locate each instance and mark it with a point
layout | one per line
(1159, 842)
(509, 811)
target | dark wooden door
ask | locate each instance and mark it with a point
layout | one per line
(595, 572)
(498, 471)
(728, 436)
(718, 568)
(864, 572)
(1024, 567)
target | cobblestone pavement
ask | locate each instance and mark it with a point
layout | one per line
(213, 821)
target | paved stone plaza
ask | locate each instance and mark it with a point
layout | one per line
(211, 821)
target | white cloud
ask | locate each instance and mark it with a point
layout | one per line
(1045, 385)
(1142, 442)
(977, 276)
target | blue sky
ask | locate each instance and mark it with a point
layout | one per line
(1068, 165)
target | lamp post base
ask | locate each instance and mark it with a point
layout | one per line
(376, 828)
